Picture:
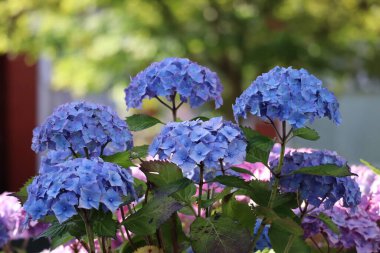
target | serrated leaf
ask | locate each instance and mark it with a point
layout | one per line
(219, 234)
(152, 215)
(74, 226)
(22, 194)
(139, 152)
(232, 181)
(104, 224)
(306, 133)
(369, 165)
(259, 146)
(138, 122)
(329, 223)
(326, 170)
(122, 159)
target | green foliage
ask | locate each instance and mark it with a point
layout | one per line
(219, 234)
(369, 165)
(74, 227)
(326, 170)
(139, 152)
(279, 240)
(152, 215)
(122, 159)
(239, 211)
(104, 224)
(306, 133)
(233, 181)
(259, 192)
(285, 224)
(259, 146)
(89, 42)
(164, 174)
(138, 122)
(242, 171)
(173, 228)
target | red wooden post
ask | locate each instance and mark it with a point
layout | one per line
(18, 118)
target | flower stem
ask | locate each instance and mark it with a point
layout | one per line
(276, 183)
(200, 190)
(89, 231)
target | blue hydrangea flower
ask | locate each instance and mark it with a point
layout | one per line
(289, 95)
(4, 237)
(80, 126)
(191, 143)
(78, 183)
(317, 189)
(192, 82)
(264, 240)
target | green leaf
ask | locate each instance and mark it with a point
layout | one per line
(173, 228)
(239, 211)
(74, 226)
(122, 159)
(288, 199)
(286, 224)
(326, 170)
(242, 171)
(306, 133)
(152, 215)
(279, 240)
(172, 187)
(232, 181)
(104, 224)
(219, 196)
(22, 194)
(259, 146)
(219, 234)
(369, 165)
(140, 122)
(60, 240)
(329, 223)
(161, 174)
(139, 152)
(259, 192)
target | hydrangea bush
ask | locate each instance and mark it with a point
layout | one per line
(202, 185)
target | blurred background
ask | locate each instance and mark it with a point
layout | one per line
(54, 51)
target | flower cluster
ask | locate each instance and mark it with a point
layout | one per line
(82, 183)
(357, 229)
(193, 83)
(84, 128)
(4, 237)
(12, 216)
(214, 143)
(317, 189)
(369, 184)
(264, 240)
(289, 95)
